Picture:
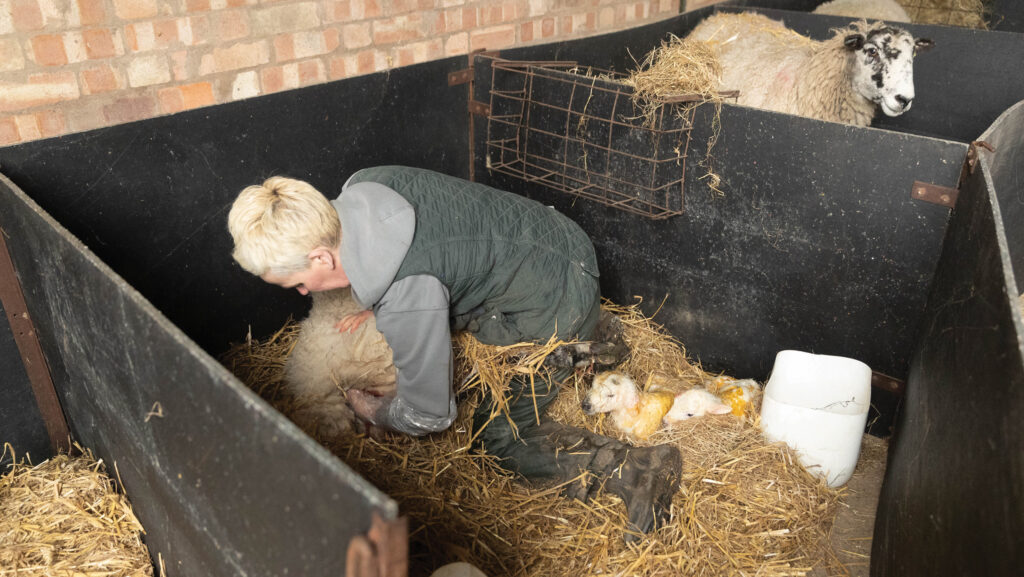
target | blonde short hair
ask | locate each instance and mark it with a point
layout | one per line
(275, 225)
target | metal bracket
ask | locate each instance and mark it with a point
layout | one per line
(383, 552)
(934, 193)
(13, 299)
(479, 108)
(887, 383)
(460, 76)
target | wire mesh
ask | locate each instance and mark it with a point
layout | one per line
(580, 134)
(963, 13)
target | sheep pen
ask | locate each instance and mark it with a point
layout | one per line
(744, 506)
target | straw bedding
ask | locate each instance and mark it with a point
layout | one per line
(964, 13)
(744, 507)
(680, 67)
(65, 517)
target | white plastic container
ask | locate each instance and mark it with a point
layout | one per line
(818, 405)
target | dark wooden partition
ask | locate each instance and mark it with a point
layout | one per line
(953, 499)
(223, 484)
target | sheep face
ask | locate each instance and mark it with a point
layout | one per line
(695, 403)
(610, 391)
(883, 66)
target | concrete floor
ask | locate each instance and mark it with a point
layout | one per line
(855, 523)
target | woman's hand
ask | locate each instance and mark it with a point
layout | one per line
(352, 322)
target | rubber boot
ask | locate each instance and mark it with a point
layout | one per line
(646, 481)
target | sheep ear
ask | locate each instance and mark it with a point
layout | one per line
(719, 409)
(922, 45)
(854, 41)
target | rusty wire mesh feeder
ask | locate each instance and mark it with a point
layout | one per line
(580, 134)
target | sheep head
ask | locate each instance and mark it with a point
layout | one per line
(610, 391)
(882, 64)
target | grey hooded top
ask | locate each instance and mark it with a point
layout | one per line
(430, 252)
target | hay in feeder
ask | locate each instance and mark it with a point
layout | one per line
(964, 13)
(681, 67)
(65, 517)
(745, 507)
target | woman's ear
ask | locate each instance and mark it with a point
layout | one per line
(322, 257)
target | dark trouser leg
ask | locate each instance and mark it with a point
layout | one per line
(645, 478)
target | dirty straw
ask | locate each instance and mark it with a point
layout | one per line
(65, 517)
(744, 507)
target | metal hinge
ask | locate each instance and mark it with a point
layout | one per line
(887, 383)
(383, 552)
(944, 195)
(935, 193)
(479, 108)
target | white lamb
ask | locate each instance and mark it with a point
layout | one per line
(889, 10)
(634, 412)
(325, 363)
(842, 79)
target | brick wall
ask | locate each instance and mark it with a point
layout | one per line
(73, 65)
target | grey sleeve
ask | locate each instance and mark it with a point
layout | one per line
(413, 316)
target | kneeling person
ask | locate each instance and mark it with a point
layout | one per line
(427, 253)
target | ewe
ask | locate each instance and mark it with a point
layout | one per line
(324, 363)
(842, 79)
(889, 10)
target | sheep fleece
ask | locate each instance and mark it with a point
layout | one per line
(324, 363)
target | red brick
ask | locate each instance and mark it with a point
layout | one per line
(11, 57)
(51, 123)
(135, 9)
(165, 33)
(435, 24)
(237, 3)
(197, 5)
(366, 62)
(406, 57)
(41, 89)
(49, 50)
(130, 109)
(639, 10)
(591, 22)
(468, 18)
(565, 25)
(332, 39)
(91, 12)
(310, 72)
(179, 64)
(235, 57)
(336, 68)
(526, 32)
(26, 15)
(339, 11)
(364, 9)
(398, 29)
(8, 131)
(230, 25)
(99, 79)
(187, 97)
(99, 43)
(547, 27)
(493, 38)
(284, 47)
(492, 15)
(272, 79)
(401, 6)
(199, 26)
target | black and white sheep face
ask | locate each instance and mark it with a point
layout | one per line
(883, 67)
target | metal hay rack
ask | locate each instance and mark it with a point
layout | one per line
(581, 134)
